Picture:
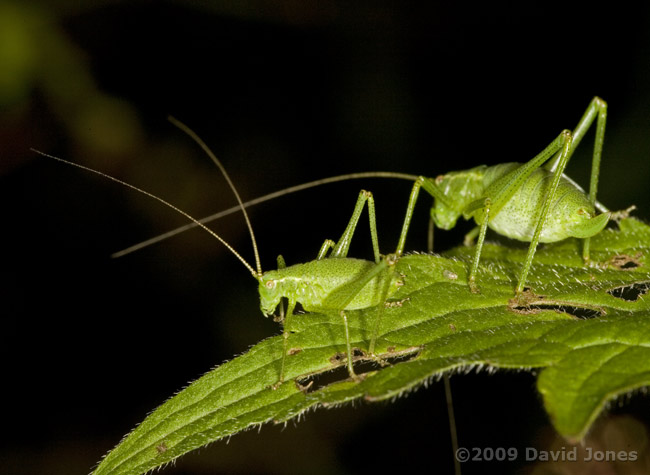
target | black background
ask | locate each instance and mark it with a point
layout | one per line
(283, 92)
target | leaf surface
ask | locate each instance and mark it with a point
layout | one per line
(586, 327)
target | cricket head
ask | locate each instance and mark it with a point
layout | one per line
(452, 193)
(444, 217)
(270, 290)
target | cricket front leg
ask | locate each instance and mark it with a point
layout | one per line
(286, 330)
(479, 247)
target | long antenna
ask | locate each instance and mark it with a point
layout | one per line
(160, 200)
(262, 199)
(214, 158)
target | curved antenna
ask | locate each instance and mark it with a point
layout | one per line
(216, 161)
(262, 199)
(160, 200)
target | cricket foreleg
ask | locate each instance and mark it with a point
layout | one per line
(479, 247)
(285, 338)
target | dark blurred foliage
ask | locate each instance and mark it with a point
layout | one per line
(284, 92)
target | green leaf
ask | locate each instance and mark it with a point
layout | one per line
(587, 327)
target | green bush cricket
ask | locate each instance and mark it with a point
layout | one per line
(523, 201)
(332, 283)
(520, 201)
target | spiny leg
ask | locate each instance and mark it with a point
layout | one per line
(597, 110)
(600, 107)
(430, 187)
(340, 249)
(566, 139)
(503, 189)
(391, 259)
(479, 247)
(343, 296)
(343, 244)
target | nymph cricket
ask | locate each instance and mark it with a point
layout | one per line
(533, 202)
(332, 283)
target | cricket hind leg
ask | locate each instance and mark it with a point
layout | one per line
(565, 154)
(503, 189)
(340, 250)
(343, 296)
(597, 110)
(342, 246)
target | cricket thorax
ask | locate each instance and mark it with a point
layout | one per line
(290, 283)
(461, 187)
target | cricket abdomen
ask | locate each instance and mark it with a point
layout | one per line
(570, 210)
(315, 284)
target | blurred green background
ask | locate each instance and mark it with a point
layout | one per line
(283, 92)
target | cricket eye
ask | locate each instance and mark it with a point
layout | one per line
(582, 212)
(269, 284)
